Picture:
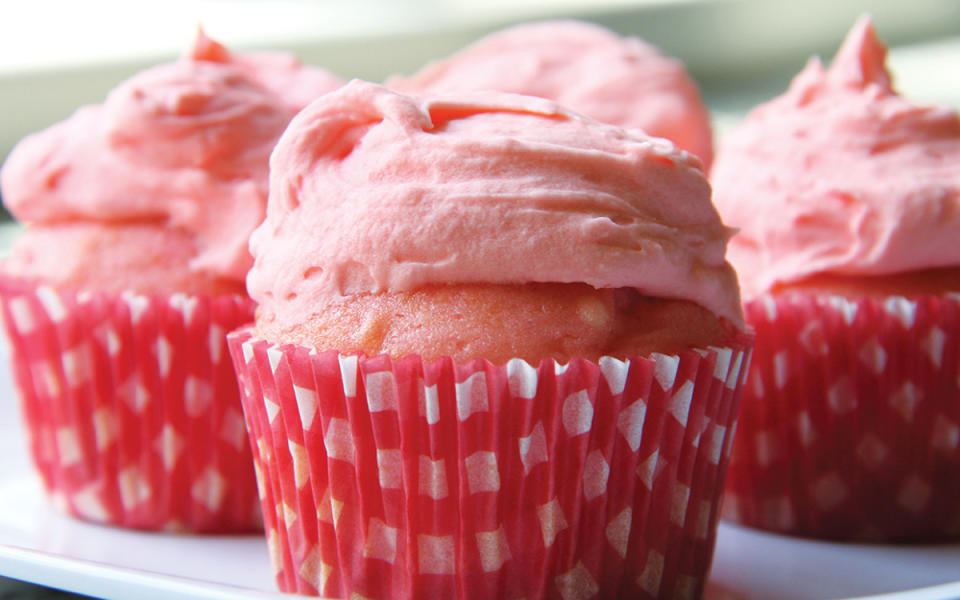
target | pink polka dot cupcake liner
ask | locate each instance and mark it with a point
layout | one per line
(408, 479)
(850, 423)
(131, 406)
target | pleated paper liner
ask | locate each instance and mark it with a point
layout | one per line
(390, 479)
(850, 424)
(131, 406)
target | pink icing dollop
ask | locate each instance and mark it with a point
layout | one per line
(373, 191)
(585, 67)
(184, 145)
(283, 73)
(840, 176)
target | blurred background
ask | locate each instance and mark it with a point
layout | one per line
(58, 55)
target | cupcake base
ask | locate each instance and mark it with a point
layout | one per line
(406, 479)
(850, 423)
(131, 406)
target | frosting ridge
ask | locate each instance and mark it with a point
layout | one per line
(840, 175)
(372, 191)
(184, 144)
(585, 67)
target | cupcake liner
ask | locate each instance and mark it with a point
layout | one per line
(408, 479)
(131, 406)
(850, 424)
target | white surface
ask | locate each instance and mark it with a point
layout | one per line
(38, 544)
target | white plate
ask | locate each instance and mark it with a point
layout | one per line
(38, 544)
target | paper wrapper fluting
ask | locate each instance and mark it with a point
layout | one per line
(404, 479)
(850, 424)
(131, 406)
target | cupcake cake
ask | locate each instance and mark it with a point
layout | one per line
(130, 271)
(847, 197)
(497, 353)
(585, 67)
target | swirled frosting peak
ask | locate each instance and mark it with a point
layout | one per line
(373, 191)
(283, 73)
(184, 145)
(841, 176)
(585, 67)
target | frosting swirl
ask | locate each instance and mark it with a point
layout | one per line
(184, 145)
(372, 191)
(589, 69)
(841, 176)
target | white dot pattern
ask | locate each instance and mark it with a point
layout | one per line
(872, 451)
(680, 403)
(313, 569)
(618, 531)
(552, 521)
(650, 578)
(76, 368)
(577, 583)
(381, 393)
(381, 541)
(104, 427)
(781, 370)
(765, 446)
(577, 413)
(437, 556)
(390, 468)
(68, 446)
(301, 464)
(134, 487)
(433, 478)
(873, 356)
(169, 444)
(522, 379)
(615, 372)
(494, 549)
(420, 464)
(52, 305)
(630, 423)
(431, 404)
(209, 489)
(124, 383)
(472, 396)
(596, 473)
(21, 315)
(197, 396)
(946, 435)
(338, 440)
(306, 405)
(934, 344)
(867, 439)
(533, 448)
(649, 469)
(482, 472)
(233, 431)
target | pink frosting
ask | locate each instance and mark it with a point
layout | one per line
(373, 191)
(184, 145)
(297, 84)
(622, 81)
(840, 175)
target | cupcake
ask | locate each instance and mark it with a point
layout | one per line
(594, 71)
(497, 353)
(118, 294)
(847, 197)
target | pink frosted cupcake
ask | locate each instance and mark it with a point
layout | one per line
(118, 295)
(848, 202)
(498, 353)
(589, 69)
